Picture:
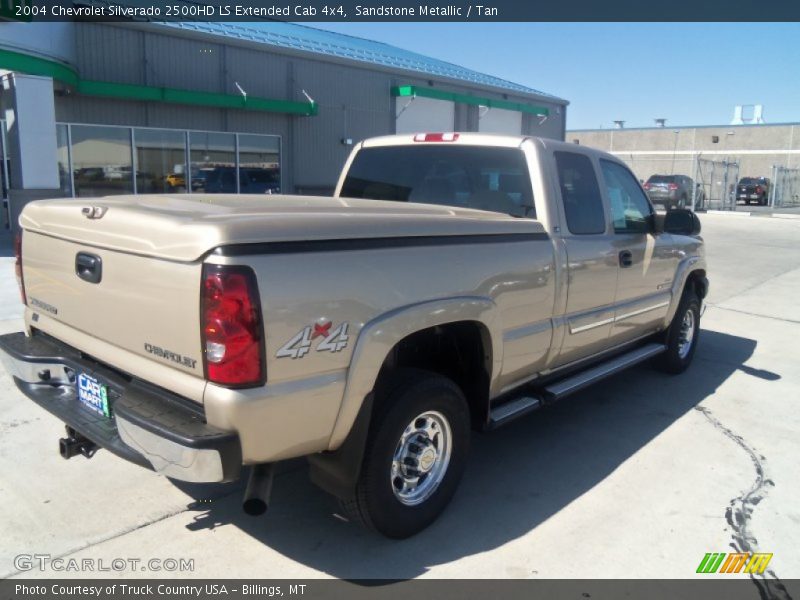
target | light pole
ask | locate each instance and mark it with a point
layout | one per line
(674, 150)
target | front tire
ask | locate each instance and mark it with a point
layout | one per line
(415, 454)
(682, 336)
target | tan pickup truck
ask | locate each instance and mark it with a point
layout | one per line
(453, 282)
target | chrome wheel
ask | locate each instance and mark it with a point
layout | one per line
(686, 336)
(421, 458)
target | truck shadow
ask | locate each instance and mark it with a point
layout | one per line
(517, 477)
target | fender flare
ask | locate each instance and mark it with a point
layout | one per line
(377, 338)
(685, 269)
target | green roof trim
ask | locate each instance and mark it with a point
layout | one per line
(127, 91)
(437, 94)
(23, 63)
(33, 65)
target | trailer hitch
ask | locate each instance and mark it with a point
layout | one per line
(75, 444)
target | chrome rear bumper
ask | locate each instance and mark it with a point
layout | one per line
(148, 425)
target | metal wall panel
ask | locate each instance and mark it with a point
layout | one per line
(176, 116)
(185, 64)
(108, 53)
(100, 111)
(259, 73)
(330, 83)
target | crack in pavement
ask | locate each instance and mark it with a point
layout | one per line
(740, 509)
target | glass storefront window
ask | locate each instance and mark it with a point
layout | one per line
(64, 179)
(101, 160)
(160, 161)
(213, 162)
(259, 164)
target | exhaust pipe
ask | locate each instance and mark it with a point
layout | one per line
(75, 444)
(259, 487)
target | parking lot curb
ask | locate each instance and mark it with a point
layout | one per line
(785, 216)
(728, 212)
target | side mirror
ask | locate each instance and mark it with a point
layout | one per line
(681, 221)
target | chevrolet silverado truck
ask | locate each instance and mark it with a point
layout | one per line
(454, 282)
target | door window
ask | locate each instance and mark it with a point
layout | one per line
(630, 210)
(580, 193)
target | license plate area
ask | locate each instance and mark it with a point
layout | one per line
(93, 394)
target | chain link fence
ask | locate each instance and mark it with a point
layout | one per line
(785, 189)
(716, 183)
(714, 180)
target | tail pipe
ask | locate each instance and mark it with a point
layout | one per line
(259, 487)
(75, 444)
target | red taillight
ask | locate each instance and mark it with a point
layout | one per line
(673, 186)
(436, 137)
(18, 267)
(647, 186)
(759, 189)
(233, 349)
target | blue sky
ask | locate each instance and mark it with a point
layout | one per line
(688, 73)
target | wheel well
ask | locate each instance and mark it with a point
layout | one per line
(460, 351)
(697, 279)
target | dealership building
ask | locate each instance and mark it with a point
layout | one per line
(91, 109)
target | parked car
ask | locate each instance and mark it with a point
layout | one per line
(670, 191)
(222, 180)
(440, 289)
(753, 189)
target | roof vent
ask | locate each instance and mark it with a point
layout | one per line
(660, 122)
(619, 124)
(748, 114)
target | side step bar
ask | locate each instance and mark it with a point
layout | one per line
(570, 385)
(536, 398)
(514, 408)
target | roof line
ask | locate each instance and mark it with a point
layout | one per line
(392, 61)
(782, 124)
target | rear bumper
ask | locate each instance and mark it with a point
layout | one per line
(149, 426)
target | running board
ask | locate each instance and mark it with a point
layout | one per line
(508, 411)
(570, 385)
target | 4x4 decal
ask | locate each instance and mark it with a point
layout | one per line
(332, 340)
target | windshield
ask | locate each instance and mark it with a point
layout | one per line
(748, 181)
(487, 178)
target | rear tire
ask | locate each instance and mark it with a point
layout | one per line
(415, 454)
(682, 336)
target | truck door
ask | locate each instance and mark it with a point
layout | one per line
(591, 259)
(647, 262)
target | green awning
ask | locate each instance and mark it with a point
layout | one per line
(437, 94)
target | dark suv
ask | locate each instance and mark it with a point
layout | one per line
(753, 189)
(670, 191)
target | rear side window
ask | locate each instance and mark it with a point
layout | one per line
(580, 193)
(661, 179)
(487, 178)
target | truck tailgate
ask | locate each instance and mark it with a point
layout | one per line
(145, 305)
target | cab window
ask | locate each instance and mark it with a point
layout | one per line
(486, 178)
(630, 210)
(580, 193)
